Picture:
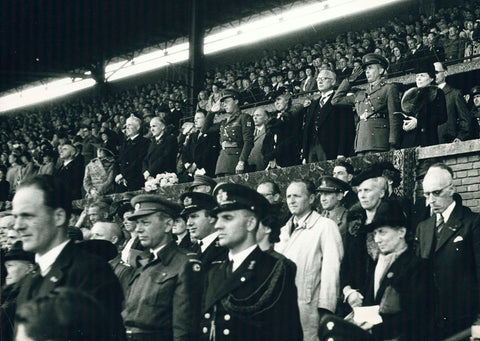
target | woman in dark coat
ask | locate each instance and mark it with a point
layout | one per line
(399, 282)
(425, 109)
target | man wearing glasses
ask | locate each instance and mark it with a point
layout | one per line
(329, 131)
(450, 238)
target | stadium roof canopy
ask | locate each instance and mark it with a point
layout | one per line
(51, 38)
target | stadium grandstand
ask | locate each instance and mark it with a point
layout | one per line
(106, 101)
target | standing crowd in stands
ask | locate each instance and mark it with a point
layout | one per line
(231, 262)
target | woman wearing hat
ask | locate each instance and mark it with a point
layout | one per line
(100, 173)
(399, 282)
(425, 109)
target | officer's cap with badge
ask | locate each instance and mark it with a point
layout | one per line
(330, 184)
(230, 93)
(195, 201)
(231, 197)
(146, 204)
(374, 58)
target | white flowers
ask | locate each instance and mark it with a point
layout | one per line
(161, 180)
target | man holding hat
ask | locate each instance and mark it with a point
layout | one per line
(331, 194)
(378, 129)
(162, 299)
(251, 295)
(197, 211)
(236, 135)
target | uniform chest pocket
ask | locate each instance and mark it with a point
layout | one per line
(161, 288)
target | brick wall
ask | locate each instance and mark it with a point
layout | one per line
(464, 159)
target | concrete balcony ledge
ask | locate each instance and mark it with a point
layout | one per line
(448, 149)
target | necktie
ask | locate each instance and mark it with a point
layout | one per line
(323, 100)
(255, 133)
(229, 268)
(439, 223)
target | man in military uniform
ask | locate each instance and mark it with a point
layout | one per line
(251, 295)
(197, 212)
(331, 194)
(378, 129)
(236, 135)
(163, 297)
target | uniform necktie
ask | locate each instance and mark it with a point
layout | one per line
(229, 268)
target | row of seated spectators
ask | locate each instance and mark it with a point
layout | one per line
(452, 34)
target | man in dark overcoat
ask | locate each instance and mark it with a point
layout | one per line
(450, 239)
(251, 295)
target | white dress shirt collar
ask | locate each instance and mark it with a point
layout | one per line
(442, 85)
(240, 257)
(448, 211)
(208, 240)
(45, 261)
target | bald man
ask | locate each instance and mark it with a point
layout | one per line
(130, 157)
(450, 238)
(111, 232)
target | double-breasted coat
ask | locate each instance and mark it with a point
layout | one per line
(455, 258)
(130, 157)
(377, 128)
(258, 301)
(202, 148)
(161, 155)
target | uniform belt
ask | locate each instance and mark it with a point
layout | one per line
(228, 144)
(372, 116)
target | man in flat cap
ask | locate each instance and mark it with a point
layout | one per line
(236, 135)
(203, 184)
(251, 295)
(197, 211)
(378, 129)
(162, 300)
(331, 194)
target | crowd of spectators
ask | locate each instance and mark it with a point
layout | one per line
(32, 140)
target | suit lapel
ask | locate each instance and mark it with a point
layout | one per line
(324, 111)
(427, 235)
(450, 228)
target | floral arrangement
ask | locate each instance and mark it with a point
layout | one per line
(161, 180)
